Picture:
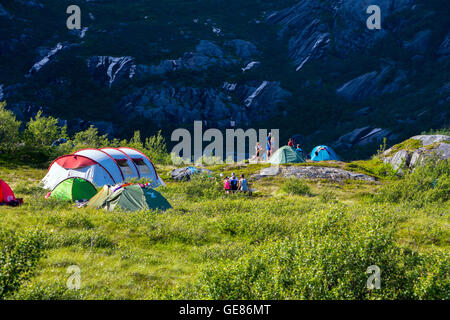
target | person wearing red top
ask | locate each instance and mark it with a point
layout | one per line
(291, 142)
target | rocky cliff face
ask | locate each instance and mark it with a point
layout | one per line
(315, 28)
(180, 104)
(311, 67)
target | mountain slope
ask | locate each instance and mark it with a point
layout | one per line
(309, 67)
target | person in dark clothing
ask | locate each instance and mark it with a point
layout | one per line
(269, 146)
(234, 182)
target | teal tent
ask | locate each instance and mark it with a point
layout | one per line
(129, 198)
(286, 155)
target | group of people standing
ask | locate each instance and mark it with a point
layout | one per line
(298, 149)
(232, 184)
(269, 148)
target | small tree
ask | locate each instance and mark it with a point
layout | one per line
(42, 131)
(136, 141)
(90, 138)
(9, 128)
(155, 147)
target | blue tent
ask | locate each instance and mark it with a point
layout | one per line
(323, 153)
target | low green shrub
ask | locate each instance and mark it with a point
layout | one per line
(44, 291)
(328, 260)
(80, 221)
(19, 254)
(84, 239)
(426, 184)
(296, 186)
(328, 196)
(373, 167)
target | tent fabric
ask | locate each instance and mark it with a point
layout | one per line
(144, 165)
(286, 154)
(106, 166)
(125, 163)
(98, 200)
(75, 162)
(323, 153)
(74, 189)
(129, 198)
(6, 194)
(106, 160)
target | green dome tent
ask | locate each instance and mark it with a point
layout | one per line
(73, 189)
(286, 155)
(129, 198)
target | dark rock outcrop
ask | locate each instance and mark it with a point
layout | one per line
(243, 49)
(180, 104)
(316, 27)
(206, 55)
(420, 43)
(47, 55)
(164, 104)
(30, 3)
(260, 94)
(310, 37)
(110, 70)
(361, 137)
(4, 13)
(444, 48)
(372, 83)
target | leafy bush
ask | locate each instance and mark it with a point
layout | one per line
(257, 226)
(328, 260)
(296, 186)
(409, 145)
(444, 131)
(41, 291)
(9, 128)
(90, 138)
(155, 147)
(42, 131)
(428, 183)
(373, 167)
(19, 254)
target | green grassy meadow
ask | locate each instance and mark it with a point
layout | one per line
(314, 240)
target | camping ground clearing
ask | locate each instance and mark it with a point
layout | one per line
(301, 239)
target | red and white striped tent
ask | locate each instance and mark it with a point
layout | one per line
(106, 166)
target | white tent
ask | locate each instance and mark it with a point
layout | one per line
(107, 166)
